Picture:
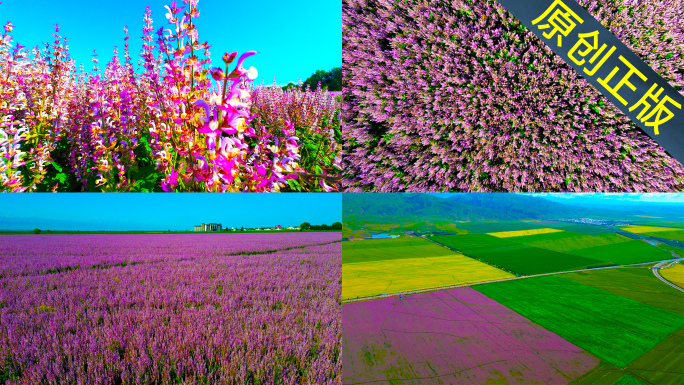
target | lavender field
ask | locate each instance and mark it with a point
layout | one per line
(456, 336)
(159, 309)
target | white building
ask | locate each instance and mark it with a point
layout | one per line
(209, 227)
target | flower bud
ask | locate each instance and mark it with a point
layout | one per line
(217, 73)
(229, 58)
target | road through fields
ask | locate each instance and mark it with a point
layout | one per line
(657, 274)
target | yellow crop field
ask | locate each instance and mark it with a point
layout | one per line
(367, 279)
(636, 229)
(522, 233)
(674, 274)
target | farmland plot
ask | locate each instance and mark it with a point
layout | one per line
(45, 254)
(674, 274)
(480, 228)
(636, 284)
(456, 336)
(567, 241)
(588, 317)
(215, 308)
(392, 276)
(639, 229)
(624, 253)
(512, 256)
(522, 233)
(675, 235)
(467, 243)
(664, 364)
(577, 228)
(389, 249)
(526, 260)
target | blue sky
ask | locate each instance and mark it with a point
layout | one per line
(292, 38)
(131, 211)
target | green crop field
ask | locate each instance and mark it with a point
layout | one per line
(567, 241)
(624, 253)
(527, 260)
(677, 224)
(386, 249)
(616, 329)
(577, 228)
(604, 374)
(677, 235)
(552, 252)
(637, 284)
(512, 255)
(664, 364)
(628, 380)
(481, 228)
(469, 242)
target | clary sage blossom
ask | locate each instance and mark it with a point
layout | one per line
(153, 309)
(179, 123)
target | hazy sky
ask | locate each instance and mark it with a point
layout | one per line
(131, 211)
(293, 38)
(613, 199)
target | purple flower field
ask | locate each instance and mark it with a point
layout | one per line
(460, 96)
(456, 336)
(159, 309)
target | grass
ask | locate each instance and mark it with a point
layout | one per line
(480, 228)
(527, 260)
(675, 235)
(367, 279)
(624, 253)
(674, 274)
(470, 242)
(511, 255)
(522, 233)
(664, 364)
(677, 224)
(636, 284)
(577, 228)
(628, 380)
(638, 229)
(390, 249)
(603, 374)
(616, 329)
(567, 241)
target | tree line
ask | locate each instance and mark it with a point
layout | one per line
(330, 80)
(308, 226)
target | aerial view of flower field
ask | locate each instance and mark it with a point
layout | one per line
(162, 114)
(461, 96)
(558, 290)
(233, 305)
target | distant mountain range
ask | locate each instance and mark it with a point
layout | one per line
(608, 201)
(419, 211)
